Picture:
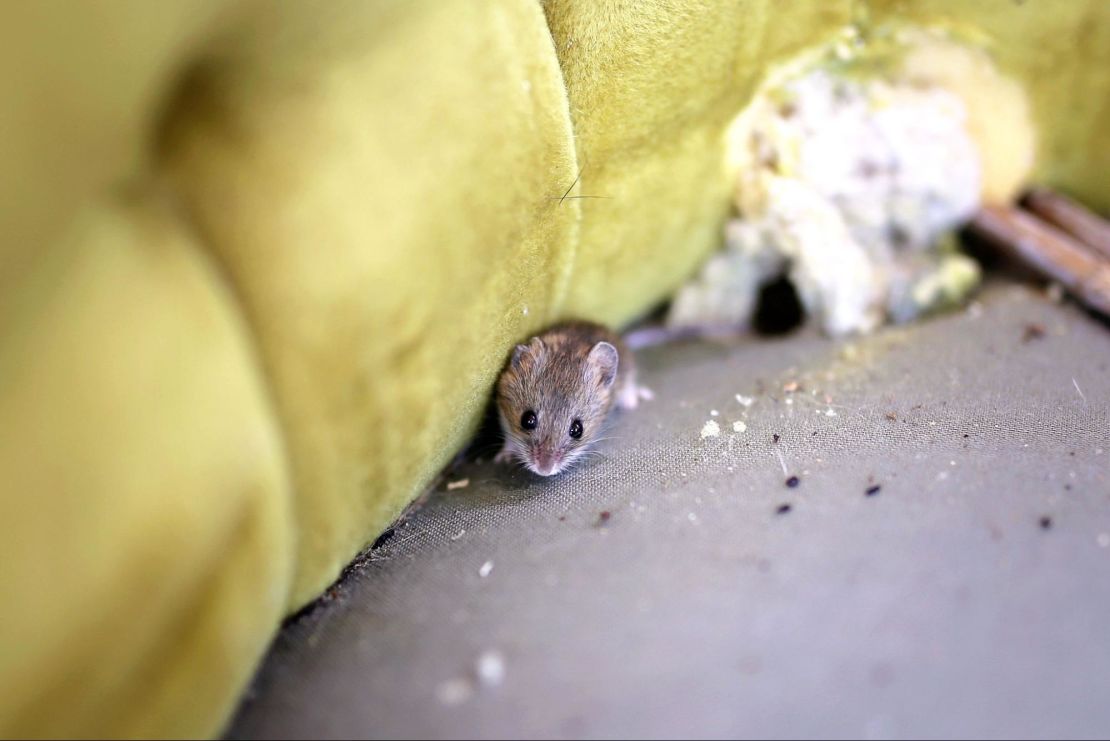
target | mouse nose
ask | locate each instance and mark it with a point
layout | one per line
(546, 461)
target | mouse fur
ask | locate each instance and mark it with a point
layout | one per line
(556, 392)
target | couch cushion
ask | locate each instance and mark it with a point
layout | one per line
(80, 83)
(653, 88)
(1059, 53)
(373, 211)
(381, 182)
(146, 510)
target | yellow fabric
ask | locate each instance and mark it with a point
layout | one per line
(147, 543)
(653, 88)
(217, 388)
(1059, 52)
(79, 83)
(386, 205)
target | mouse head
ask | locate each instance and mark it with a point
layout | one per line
(552, 400)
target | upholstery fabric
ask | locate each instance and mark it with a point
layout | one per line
(387, 207)
(263, 260)
(148, 542)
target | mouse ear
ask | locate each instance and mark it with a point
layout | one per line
(603, 356)
(518, 353)
(534, 346)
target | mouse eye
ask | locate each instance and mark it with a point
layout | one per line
(576, 429)
(528, 420)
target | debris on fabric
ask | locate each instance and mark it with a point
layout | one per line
(460, 484)
(455, 691)
(793, 482)
(710, 429)
(739, 426)
(490, 668)
(1032, 331)
(489, 672)
(485, 569)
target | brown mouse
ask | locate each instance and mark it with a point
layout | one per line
(557, 390)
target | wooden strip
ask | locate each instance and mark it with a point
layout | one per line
(1048, 250)
(1059, 210)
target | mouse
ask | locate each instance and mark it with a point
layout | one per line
(557, 390)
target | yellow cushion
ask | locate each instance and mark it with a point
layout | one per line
(217, 390)
(145, 509)
(382, 189)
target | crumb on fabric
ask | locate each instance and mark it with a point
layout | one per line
(739, 426)
(775, 437)
(455, 691)
(710, 429)
(1032, 331)
(745, 401)
(793, 482)
(490, 668)
(485, 569)
(460, 484)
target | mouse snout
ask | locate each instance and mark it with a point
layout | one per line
(545, 460)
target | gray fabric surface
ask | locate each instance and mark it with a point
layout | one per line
(939, 606)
